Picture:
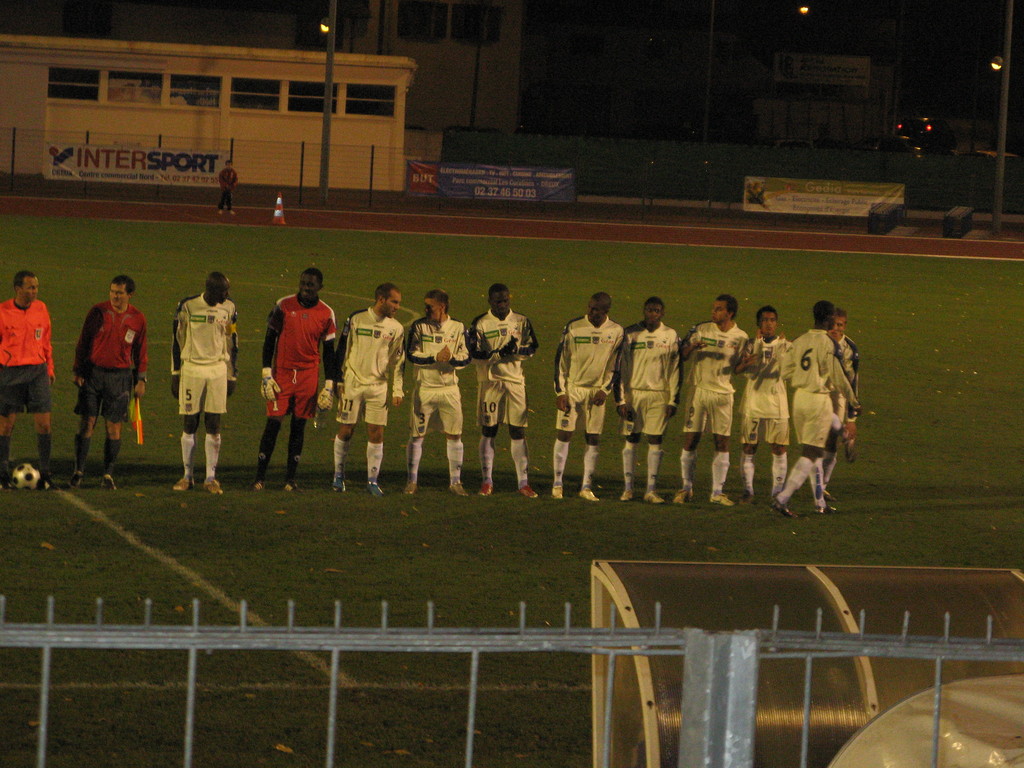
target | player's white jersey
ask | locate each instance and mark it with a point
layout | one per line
(205, 335)
(586, 356)
(369, 346)
(711, 367)
(765, 395)
(425, 340)
(812, 364)
(849, 355)
(488, 334)
(649, 361)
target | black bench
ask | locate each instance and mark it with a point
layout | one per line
(958, 221)
(884, 217)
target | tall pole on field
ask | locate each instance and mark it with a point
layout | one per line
(707, 84)
(1004, 108)
(325, 134)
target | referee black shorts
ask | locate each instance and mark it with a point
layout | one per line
(106, 392)
(24, 388)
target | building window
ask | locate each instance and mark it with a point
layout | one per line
(309, 97)
(249, 93)
(422, 20)
(476, 22)
(195, 90)
(134, 87)
(81, 84)
(370, 100)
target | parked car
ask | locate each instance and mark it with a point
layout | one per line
(933, 136)
(890, 144)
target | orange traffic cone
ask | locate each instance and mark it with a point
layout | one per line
(279, 210)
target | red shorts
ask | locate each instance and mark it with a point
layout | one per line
(298, 393)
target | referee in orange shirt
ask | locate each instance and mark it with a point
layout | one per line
(26, 372)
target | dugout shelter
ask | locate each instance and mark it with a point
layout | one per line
(846, 693)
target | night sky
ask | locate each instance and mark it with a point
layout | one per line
(946, 44)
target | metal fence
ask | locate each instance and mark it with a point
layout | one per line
(718, 701)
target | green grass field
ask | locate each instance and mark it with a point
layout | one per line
(938, 482)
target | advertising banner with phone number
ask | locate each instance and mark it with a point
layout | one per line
(491, 182)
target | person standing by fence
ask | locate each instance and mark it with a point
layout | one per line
(228, 179)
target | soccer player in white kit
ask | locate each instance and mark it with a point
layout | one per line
(436, 346)
(584, 371)
(204, 360)
(765, 404)
(846, 427)
(647, 392)
(813, 369)
(716, 348)
(499, 341)
(372, 345)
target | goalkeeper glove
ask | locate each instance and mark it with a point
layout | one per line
(269, 386)
(325, 399)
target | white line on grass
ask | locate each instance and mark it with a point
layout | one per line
(193, 577)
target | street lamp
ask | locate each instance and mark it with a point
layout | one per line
(1004, 108)
(327, 26)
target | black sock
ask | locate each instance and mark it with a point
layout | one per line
(296, 437)
(267, 443)
(5, 456)
(82, 444)
(45, 442)
(110, 450)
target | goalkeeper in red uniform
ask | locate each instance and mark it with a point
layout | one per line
(297, 327)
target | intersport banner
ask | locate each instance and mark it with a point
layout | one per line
(133, 165)
(490, 182)
(817, 196)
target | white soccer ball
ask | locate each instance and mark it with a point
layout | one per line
(25, 476)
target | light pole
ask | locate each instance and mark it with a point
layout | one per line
(325, 133)
(1004, 108)
(707, 84)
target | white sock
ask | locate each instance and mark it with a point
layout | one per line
(521, 460)
(487, 458)
(590, 455)
(340, 455)
(188, 447)
(719, 471)
(654, 454)
(558, 458)
(628, 464)
(374, 457)
(796, 478)
(780, 465)
(816, 480)
(828, 463)
(212, 446)
(747, 469)
(686, 461)
(413, 452)
(455, 450)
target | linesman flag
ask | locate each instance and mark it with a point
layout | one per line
(136, 417)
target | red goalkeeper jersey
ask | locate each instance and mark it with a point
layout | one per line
(300, 331)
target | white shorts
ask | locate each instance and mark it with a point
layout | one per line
(438, 408)
(581, 403)
(370, 403)
(772, 431)
(203, 388)
(812, 417)
(650, 413)
(706, 408)
(501, 402)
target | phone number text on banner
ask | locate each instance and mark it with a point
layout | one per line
(817, 196)
(133, 165)
(494, 182)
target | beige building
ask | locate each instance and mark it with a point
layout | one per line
(263, 106)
